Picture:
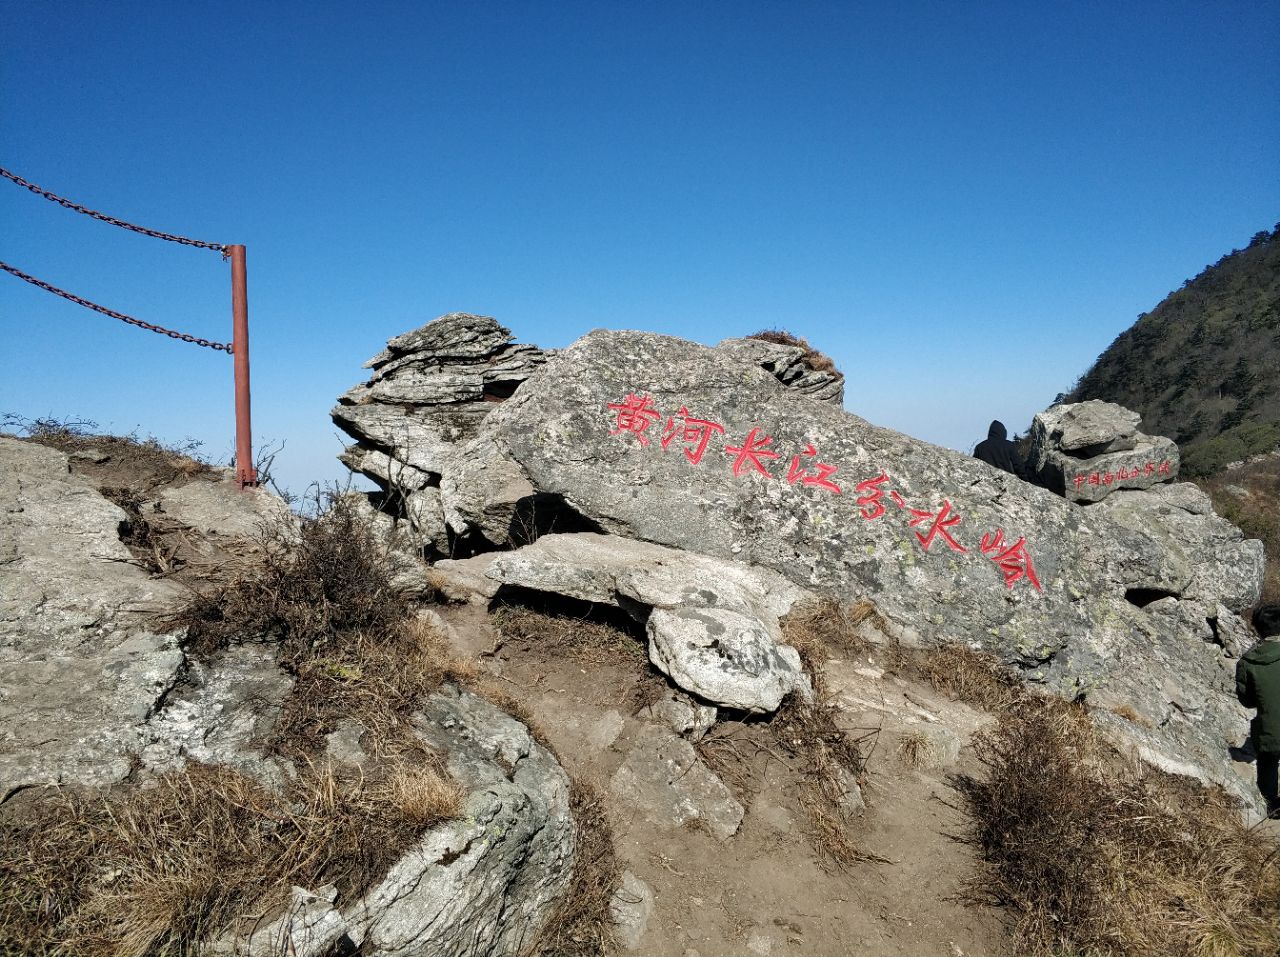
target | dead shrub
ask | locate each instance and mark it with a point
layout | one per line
(829, 766)
(581, 924)
(1094, 854)
(314, 592)
(914, 749)
(828, 625)
(158, 869)
(812, 357)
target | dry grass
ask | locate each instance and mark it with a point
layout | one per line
(156, 869)
(974, 677)
(915, 749)
(140, 463)
(586, 639)
(581, 924)
(1096, 855)
(314, 592)
(825, 760)
(812, 357)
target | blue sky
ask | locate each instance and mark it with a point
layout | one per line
(963, 204)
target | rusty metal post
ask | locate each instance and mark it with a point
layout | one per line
(246, 475)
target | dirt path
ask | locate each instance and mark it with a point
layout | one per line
(766, 890)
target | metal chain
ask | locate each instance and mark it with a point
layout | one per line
(194, 340)
(217, 247)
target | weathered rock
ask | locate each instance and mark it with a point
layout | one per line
(220, 714)
(631, 908)
(1087, 450)
(218, 508)
(483, 884)
(1088, 428)
(950, 550)
(66, 579)
(787, 364)
(80, 670)
(664, 778)
(429, 391)
(712, 625)
(683, 715)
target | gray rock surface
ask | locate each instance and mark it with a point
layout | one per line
(81, 670)
(663, 778)
(950, 550)
(683, 715)
(1085, 451)
(483, 884)
(428, 392)
(712, 625)
(631, 908)
(217, 507)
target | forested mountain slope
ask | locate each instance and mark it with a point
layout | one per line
(1203, 367)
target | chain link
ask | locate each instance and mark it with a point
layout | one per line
(53, 197)
(194, 340)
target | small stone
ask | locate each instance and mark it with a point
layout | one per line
(631, 907)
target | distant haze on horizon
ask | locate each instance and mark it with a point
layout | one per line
(962, 205)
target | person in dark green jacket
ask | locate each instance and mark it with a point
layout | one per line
(1258, 686)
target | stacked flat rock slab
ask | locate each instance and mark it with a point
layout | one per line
(789, 365)
(429, 391)
(950, 549)
(1087, 450)
(713, 626)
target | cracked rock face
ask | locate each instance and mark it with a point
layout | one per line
(80, 673)
(659, 440)
(482, 884)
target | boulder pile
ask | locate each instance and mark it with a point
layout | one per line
(1132, 605)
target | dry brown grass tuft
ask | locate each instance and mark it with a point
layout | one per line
(582, 638)
(974, 677)
(914, 749)
(581, 924)
(158, 869)
(1094, 854)
(815, 359)
(829, 625)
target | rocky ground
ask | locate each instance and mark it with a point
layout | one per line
(640, 646)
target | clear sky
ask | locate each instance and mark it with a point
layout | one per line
(963, 204)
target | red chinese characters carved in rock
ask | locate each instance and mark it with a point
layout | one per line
(869, 500)
(635, 414)
(751, 452)
(942, 521)
(693, 433)
(1013, 560)
(823, 477)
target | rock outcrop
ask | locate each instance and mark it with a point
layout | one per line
(92, 696)
(658, 440)
(712, 625)
(1087, 450)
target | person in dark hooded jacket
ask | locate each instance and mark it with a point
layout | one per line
(1258, 686)
(997, 450)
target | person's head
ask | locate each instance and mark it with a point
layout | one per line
(997, 430)
(1266, 621)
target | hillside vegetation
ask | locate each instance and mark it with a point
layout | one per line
(1201, 366)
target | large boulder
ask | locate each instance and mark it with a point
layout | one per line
(1087, 450)
(660, 440)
